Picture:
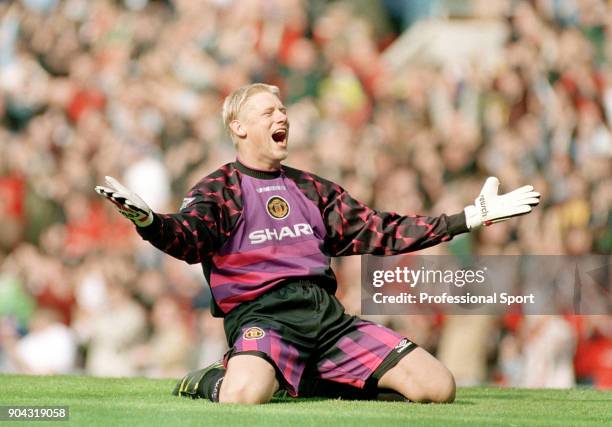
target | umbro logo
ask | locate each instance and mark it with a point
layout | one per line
(187, 201)
(403, 345)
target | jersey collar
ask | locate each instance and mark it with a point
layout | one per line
(256, 173)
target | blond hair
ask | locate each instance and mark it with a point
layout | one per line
(235, 101)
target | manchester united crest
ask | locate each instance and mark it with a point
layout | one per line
(253, 333)
(277, 207)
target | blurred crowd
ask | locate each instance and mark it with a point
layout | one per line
(134, 88)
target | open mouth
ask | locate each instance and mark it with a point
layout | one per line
(280, 135)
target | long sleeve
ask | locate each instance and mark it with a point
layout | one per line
(354, 228)
(190, 235)
(209, 212)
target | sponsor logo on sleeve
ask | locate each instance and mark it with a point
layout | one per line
(187, 201)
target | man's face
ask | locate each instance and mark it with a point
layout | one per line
(264, 120)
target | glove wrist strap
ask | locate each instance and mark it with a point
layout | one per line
(472, 217)
(145, 222)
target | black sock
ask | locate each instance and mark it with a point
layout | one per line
(211, 384)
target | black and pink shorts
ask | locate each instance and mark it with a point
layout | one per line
(299, 327)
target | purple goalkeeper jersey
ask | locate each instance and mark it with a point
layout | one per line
(280, 235)
(253, 230)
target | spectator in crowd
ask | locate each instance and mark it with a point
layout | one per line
(49, 347)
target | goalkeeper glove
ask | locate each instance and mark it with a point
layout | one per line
(129, 204)
(489, 207)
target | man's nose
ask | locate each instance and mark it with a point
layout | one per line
(280, 117)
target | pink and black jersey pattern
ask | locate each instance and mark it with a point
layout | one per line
(251, 230)
(355, 229)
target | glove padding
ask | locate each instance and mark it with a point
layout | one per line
(489, 207)
(129, 204)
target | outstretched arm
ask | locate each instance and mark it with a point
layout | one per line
(354, 228)
(190, 235)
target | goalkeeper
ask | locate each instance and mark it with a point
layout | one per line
(264, 234)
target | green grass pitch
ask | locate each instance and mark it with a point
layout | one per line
(145, 402)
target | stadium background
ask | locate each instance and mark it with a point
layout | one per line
(407, 104)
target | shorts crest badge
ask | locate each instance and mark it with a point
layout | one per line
(253, 333)
(277, 207)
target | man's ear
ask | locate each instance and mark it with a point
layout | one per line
(238, 129)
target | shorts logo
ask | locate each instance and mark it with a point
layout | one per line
(403, 345)
(253, 333)
(277, 207)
